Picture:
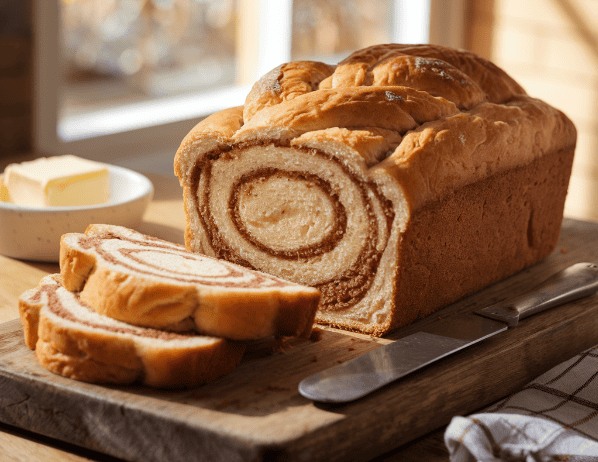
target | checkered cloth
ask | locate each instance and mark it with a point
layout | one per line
(554, 418)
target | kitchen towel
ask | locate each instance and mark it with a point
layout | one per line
(554, 418)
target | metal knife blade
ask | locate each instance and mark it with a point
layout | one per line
(360, 376)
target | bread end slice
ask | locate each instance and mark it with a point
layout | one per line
(72, 340)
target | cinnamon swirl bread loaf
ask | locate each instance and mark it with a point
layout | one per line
(145, 281)
(396, 182)
(72, 340)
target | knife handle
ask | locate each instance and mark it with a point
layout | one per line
(572, 283)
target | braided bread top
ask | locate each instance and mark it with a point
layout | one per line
(460, 77)
(435, 106)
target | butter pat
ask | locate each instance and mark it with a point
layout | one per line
(58, 181)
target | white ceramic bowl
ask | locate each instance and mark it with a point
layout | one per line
(33, 233)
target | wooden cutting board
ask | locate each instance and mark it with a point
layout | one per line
(256, 413)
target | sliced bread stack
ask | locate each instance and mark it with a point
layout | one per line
(128, 307)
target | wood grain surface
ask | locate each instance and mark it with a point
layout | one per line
(256, 413)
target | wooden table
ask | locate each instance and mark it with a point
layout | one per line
(164, 219)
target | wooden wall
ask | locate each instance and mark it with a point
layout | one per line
(16, 77)
(551, 48)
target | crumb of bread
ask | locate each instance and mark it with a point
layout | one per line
(316, 334)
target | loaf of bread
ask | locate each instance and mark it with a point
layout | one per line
(145, 281)
(72, 340)
(396, 182)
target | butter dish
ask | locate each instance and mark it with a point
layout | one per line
(33, 233)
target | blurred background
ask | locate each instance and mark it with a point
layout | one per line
(124, 80)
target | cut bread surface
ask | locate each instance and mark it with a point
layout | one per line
(326, 174)
(72, 340)
(148, 282)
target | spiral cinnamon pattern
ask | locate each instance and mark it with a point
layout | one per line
(161, 259)
(148, 282)
(322, 225)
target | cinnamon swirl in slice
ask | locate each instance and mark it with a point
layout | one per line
(149, 282)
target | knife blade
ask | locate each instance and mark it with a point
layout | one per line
(360, 376)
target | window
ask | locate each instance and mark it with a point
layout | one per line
(127, 79)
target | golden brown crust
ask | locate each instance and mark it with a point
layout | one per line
(75, 267)
(283, 83)
(445, 155)
(360, 68)
(221, 125)
(371, 144)
(432, 75)
(352, 100)
(392, 108)
(215, 131)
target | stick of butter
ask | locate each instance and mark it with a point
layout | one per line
(58, 181)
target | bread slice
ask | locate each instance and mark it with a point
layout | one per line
(149, 282)
(72, 340)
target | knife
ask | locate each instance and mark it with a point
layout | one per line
(360, 376)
